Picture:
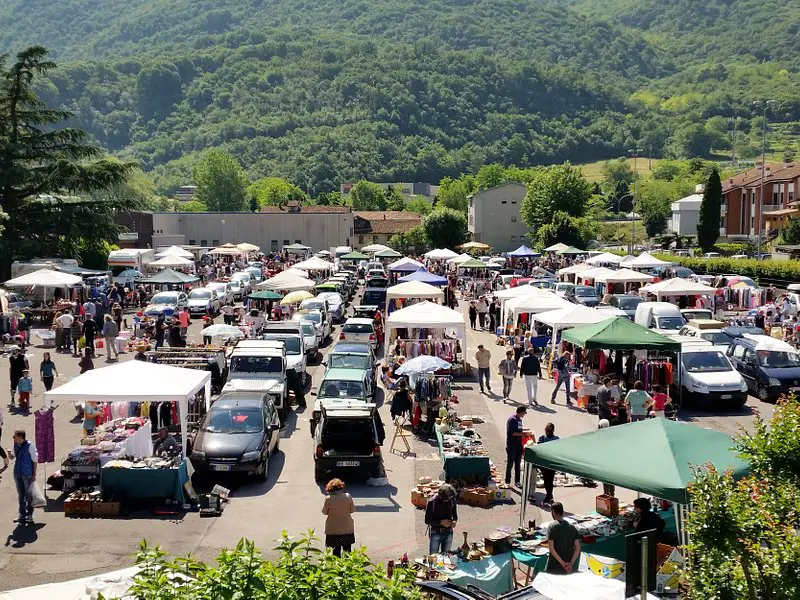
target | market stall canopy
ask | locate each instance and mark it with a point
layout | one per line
(296, 248)
(473, 263)
(323, 253)
(171, 260)
(440, 254)
(225, 249)
(356, 255)
(619, 334)
(461, 258)
(424, 276)
(388, 253)
(523, 252)
(169, 277)
(314, 264)
(574, 269)
(44, 278)
(414, 289)
(661, 465)
(595, 273)
(605, 258)
(572, 315)
(559, 247)
(624, 276)
(679, 287)
(626, 260)
(428, 315)
(220, 330)
(536, 301)
(374, 248)
(406, 265)
(265, 295)
(248, 247)
(647, 261)
(286, 281)
(571, 250)
(175, 251)
(294, 272)
(474, 246)
(514, 292)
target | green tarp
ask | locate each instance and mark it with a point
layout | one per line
(169, 277)
(265, 295)
(654, 456)
(354, 256)
(472, 263)
(618, 334)
(572, 250)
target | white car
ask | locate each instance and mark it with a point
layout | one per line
(322, 324)
(237, 289)
(224, 291)
(317, 303)
(335, 304)
(245, 280)
(166, 304)
(359, 330)
(562, 289)
(204, 301)
(310, 337)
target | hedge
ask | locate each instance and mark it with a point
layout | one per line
(777, 271)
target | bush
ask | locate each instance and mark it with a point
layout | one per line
(732, 248)
(787, 271)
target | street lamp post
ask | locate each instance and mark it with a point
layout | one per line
(763, 105)
(635, 153)
(619, 208)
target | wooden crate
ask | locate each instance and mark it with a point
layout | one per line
(106, 509)
(77, 508)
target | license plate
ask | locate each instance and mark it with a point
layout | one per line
(726, 396)
(348, 463)
(221, 467)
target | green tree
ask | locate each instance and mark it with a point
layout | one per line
(158, 88)
(445, 228)
(490, 176)
(221, 183)
(367, 195)
(565, 229)
(690, 141)
(710, 213)
(556, 188)
(420, 205)
(274, 191)
(37, 157)
(413, 241)
(394, 199)
(192, 206)
(453, 193)
(791, 233)
(654, 198)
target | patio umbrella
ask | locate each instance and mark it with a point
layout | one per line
(44, 278)
(296, 248)
(388, 253)
(221, 330)
(247, 247)
(296, 297)
(423, 364)
(265, 295)
(354, 256)
(474, 246)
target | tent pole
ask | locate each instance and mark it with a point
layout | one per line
(526, 480)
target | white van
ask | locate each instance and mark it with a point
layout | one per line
(663, 317)
(260, 365)
(709, 379)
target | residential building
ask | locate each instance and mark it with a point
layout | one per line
(274, 227)
(185, 193)
(407, 190)
(378, 226)
(686, 213)
(742, 202)
(494, 217)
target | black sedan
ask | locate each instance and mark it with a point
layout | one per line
(238, 435)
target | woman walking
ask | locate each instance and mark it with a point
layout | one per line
(47, 371)
(548, 475)
(339, 526)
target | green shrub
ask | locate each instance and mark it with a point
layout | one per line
(787, 271)
(732, 248)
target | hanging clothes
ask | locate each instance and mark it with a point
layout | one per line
(45, 435)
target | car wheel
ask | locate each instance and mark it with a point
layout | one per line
(320, 475)
(378, 472)
(739, 403)
(262, 471)
(762, 393)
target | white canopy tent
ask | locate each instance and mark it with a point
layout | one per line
(440, 254)
(247, 247)
(647, 261)
(372, 248)
(536, 301)
(427, 315)
(593, 274)
(175, 251)
(457, 260)
(626, 260)
(559, 247)
(44, 278)
(314, 264)
(406, 264)
(137, 381)
(228, 249)
(415, 290)
(573, 315)
(678, 287)
(289, 282)
(572, 270)
(171, 260)
(625, 276)
(604, 258)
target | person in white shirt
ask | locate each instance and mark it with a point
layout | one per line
(227, 313)
(89, 308)
(64, 322)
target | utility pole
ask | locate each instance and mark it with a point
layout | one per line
(763, 105)
(635, 153)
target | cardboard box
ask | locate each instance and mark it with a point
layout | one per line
(77, 508)
(419, 498)
(477, 497)
(106, 509)
(608, 506)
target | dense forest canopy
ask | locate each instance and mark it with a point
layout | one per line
(321, 91)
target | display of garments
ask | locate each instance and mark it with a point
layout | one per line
(654, 372)
(433, 388)
(445, 349)
(45, 435)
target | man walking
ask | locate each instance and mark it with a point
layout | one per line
(483, 309)
(25, 463)
(184, 318)
(562, 367)
(514, 433)
(64, 322)
(531, 371)
(89, 331)
(492, 320)
(482, 357)
(110, 333)
(508, 369)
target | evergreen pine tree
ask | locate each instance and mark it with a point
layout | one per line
(710, 212)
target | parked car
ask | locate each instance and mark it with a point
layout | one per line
(347, 440)
(310, 339)
(17, 301)
(335, 304)
(770, 367)
(322, 324)
(203, 301)
(224, 291)
(562, 289)
(245, 280)
(237, 288)
(260, 366)
(374, 297)
(662, 317)
(696, 313)
(707, 329)
(293, 342)
(239, 434)
(359, 330)
(583, 294)
(257, 273)
(351, 355)
(709, 379)
(627, 303)
(166, 304)
(355, 385)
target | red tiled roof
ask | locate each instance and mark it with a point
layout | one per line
(306, 209)
(385, 215)
(752, 177)
(391, 226)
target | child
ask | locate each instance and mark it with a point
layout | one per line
(25, 388)
(660, 401)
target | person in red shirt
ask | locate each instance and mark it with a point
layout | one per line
(660, 401)
(184, 319)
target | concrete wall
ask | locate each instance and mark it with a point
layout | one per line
(494, 218)
(268, 230)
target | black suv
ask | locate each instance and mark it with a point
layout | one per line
(348, 439)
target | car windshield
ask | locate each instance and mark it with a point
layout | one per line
(357, 328)
(308, 329)
(311, 305)
(705, 362)
(200, 294)
(716, 337)
(696, 314)
(349, 361)
(776, 359)
(234, 420)
(628, 303)
(256, 364)
(585, 292)
(332, 388)
(292, 343)
(164, 299)
(670, 322)
(332, 298)
(220, 287)
(315, 317)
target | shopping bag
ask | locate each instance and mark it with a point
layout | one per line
(99, 344)
(82, 343)
(36, 496)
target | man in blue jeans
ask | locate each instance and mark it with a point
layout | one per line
(562, 367)
(514, 434)
(483, 358)
(25, 463)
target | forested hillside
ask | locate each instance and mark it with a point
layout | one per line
(319, 91)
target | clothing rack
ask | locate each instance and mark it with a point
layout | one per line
(447, 349)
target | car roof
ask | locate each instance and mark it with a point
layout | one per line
(765, 342)
(257, 352)
(740, 331)
(359, 321)
(352, 348)
(243, 399)
(338, 373)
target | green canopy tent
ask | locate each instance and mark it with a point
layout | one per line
(473, 263)
(354, 256)
(265, 295)
(389, 253)
(169, 277)
(659, 455)
(618, 334)
(571, 250)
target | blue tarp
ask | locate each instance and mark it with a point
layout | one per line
(523, 252)
(424, 276)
